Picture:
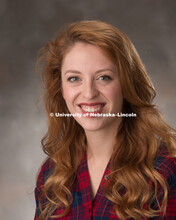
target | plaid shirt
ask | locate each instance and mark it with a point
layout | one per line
(101, 208)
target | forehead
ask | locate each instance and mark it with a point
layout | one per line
(84, 54)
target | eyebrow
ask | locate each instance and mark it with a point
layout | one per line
(98, 71)
(104, 70)
(72, 71)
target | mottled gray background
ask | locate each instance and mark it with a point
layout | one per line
(24, 28)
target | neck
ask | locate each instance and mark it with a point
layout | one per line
(100, 143)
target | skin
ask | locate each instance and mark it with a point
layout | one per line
(90, 81)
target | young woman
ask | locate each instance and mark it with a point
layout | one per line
(114, 158)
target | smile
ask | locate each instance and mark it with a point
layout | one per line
(92, 107)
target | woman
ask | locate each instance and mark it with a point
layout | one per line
(101, 165)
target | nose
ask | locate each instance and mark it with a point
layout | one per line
(89, 90)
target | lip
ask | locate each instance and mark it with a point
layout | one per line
(92, 104)
(88, 114)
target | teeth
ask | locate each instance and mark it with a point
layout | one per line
(91, 108)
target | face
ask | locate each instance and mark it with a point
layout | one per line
(90, 84)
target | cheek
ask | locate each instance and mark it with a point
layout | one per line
(114, 93)
(69, 94)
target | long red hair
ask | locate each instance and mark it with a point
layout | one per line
(139, 138)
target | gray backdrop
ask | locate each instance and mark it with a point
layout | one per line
(24, 28)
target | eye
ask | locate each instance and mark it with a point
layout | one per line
(105, 78)
(73, 79)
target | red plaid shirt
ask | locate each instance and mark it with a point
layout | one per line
(101, 208)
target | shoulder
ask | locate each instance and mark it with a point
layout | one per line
(165, 164)
(45, 171)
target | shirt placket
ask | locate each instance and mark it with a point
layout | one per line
(100, 200)
(85, 189)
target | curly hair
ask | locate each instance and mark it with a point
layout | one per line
(139, 138)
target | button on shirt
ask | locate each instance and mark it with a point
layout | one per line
(101, 208)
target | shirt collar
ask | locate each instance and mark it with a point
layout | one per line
(84, 182)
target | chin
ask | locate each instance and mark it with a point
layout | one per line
(91, 128)
(93, 125)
